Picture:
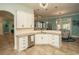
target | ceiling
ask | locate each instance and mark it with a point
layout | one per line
(54, 9)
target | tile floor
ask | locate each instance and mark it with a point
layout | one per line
(68, 48)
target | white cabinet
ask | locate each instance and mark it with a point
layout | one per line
(19, 20)
(42, 38)
(56, 41)
(25, 19)
(38, 39)
(51, 39)
(23, 43)
(46, 38)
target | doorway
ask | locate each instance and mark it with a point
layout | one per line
(6, 30)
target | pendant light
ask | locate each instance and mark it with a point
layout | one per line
(44, 5)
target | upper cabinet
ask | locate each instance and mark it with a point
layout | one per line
(25, 19)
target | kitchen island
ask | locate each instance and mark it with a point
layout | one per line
(50, 37)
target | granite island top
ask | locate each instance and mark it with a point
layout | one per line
(53, 32)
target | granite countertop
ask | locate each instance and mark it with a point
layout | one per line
(39, 32)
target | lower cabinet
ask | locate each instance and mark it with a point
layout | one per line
(38, 39)
(26, 41)
(56, 41)
(23, 43)
(43, 38)
(51, 39)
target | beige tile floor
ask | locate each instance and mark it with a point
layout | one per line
(68, 48)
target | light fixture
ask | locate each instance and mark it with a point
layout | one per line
(44, 5)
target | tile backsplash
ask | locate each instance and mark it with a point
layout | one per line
(22, 31)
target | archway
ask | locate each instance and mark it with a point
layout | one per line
(6, 29)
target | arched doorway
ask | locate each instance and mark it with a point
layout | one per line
(6, 29)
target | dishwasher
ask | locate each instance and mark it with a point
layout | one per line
(31, 40)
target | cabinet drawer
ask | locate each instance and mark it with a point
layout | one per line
(23, 43)
(23, 46)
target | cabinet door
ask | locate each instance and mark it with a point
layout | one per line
(44, 39)
(20, 20)
(38, 39)
(49, 38)
(30, 20)
(23, 43)
(25, 19)
(55, 41)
